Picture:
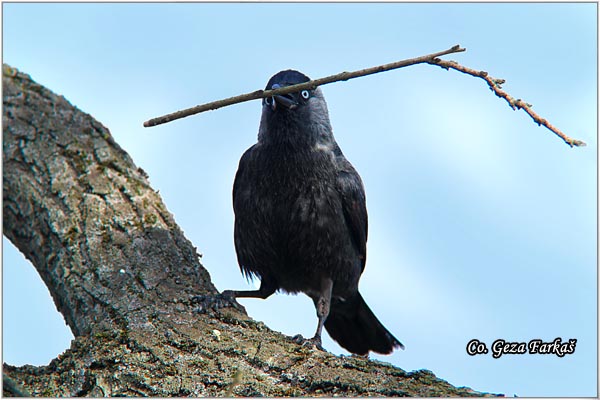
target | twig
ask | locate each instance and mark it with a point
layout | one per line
(433, 59)
(495, 86)
(343, 76)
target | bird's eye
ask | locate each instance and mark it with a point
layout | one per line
(305, 94)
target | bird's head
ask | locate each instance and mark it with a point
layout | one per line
(303, 112)
(290, 101)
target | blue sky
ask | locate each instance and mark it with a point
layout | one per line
(482, 224)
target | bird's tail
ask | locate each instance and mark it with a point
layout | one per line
(353, 325)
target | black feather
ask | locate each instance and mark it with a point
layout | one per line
(301, 219)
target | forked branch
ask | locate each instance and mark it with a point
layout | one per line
(433, 59)
(516, 104)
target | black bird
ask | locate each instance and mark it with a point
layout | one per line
(301, 218)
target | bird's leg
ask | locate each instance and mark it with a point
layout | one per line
(322, 305)
(266, 289)
(227, 297)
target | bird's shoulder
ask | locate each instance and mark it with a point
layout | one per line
(244, 168)
(347, 178)
(250, 153)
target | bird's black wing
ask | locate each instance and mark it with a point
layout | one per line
(352, 192)
(240, 182)
(242, 207)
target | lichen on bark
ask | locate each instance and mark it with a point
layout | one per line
(123, 275)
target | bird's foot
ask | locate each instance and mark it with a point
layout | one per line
(310, 343)
(211, 303)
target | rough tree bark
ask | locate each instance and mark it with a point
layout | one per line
(123, 275)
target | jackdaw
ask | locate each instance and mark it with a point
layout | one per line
(301, 218)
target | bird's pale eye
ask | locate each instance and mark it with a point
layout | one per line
(305, 94)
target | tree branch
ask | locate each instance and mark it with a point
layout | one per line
(259, 94)
(125, 277)
(515, 104)
(86, 217)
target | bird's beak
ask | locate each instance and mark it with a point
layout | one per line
(285, 100)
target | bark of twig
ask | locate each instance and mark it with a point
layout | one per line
(516, 104)
(259, 94)
(433, 59)
(122, 274)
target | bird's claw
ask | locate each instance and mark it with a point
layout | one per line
(314, 342)
(298, 339)
(210, 303)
